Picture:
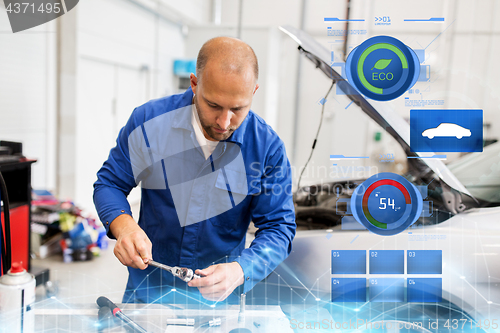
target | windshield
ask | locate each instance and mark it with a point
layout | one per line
(480, 173)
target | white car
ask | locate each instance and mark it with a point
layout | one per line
(447, 130)
(465, 226)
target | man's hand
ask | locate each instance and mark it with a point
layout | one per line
(133, 247)
(218, 281)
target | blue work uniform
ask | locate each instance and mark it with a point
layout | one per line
(196, 211)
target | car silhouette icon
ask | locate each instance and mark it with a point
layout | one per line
(447, 130)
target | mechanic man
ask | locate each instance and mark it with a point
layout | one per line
(207, 166)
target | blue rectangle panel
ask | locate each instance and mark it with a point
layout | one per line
(387, 290)
(446, 130)
(348, 290)
(387, 262)
(424, 262)
(349, 262)
(424, 289)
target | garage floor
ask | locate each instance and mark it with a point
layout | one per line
(84, 282)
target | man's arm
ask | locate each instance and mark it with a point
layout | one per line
(133, 247)
(114, 182)
(273, 213)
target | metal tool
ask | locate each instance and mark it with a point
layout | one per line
(215, 322)
(243, 302)
(105, 319)
(117, 312)
(183, 273)
(180, 321)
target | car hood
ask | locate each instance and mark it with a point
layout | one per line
(384, 115)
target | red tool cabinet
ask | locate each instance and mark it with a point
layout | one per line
(17, 177)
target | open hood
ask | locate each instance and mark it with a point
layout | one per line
(390, 120)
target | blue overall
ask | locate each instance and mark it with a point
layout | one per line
(196, 211)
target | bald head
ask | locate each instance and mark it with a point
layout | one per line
(224, 87)
(228, 55)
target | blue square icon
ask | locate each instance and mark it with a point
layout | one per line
(387, 262)
(387, 290)
(348, 290)
(348, 262)
(424, 289)
(424, 262)
(446, 130)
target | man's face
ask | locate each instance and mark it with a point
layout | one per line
(222, 100)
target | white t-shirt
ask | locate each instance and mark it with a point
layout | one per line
(207, 146)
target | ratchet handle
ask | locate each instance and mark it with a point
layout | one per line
(185, 274)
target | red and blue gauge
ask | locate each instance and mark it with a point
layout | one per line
(386, 204)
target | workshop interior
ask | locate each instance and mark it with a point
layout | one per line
(383, 216)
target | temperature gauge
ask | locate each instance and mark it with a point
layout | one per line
(386, 204)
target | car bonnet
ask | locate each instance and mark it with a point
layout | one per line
(384, 115)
